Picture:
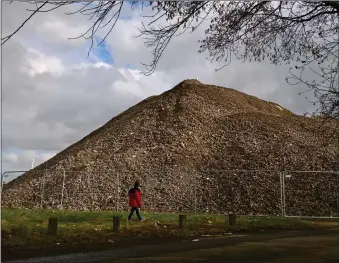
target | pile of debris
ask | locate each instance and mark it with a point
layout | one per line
(179, 139)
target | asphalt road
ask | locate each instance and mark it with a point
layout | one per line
(124, 255)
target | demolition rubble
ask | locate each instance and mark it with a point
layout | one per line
(196, 148)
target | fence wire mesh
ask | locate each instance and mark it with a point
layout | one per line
(241, 192)
(51, 188)
(84, 190)
(247, 192)
(311, 193)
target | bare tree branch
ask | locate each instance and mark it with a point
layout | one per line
(5, 39)
(304, 33)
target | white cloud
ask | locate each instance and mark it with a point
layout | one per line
(39, 63)
(10, 158)
(61, 30)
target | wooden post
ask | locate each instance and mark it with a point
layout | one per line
(232, 219)
(182, 219)
(116, 224)
(214, 219)
(52, 226)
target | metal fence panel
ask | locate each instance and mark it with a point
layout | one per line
(246, 192)
(85, 190)
(51, 189)
(311, 193)
(28, 190)
(159, 192)
(240, 192)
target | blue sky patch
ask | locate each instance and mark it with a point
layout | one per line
(102, 52)
(136, 5)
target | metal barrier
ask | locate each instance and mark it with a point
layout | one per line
(249, 192)
(310, 194)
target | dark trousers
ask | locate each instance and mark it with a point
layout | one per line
(132, 212)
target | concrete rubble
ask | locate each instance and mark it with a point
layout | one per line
(184, 145)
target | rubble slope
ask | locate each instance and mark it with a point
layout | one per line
(191, 132)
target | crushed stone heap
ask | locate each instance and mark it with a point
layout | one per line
(182, 145)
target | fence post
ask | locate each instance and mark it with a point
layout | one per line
(118, 191)
(52, 226)
(42, 189)
(195, 195)
(63, 187)
(281, 175)
(284, 195)
(2, 181)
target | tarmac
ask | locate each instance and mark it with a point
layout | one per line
(172, 247)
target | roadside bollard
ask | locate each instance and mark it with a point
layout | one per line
(116, 224)
(182, 219)
(52, 226)
(232, 219)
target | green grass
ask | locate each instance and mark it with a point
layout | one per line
(23, 228)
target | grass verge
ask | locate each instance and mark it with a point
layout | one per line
(25, 230)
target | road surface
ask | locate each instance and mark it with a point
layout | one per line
(233, 248)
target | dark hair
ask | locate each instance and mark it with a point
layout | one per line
(137, 184)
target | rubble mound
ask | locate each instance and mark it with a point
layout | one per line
(195, 147)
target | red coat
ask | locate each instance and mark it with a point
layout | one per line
(134, 198)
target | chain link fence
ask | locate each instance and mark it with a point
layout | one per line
(245, 192)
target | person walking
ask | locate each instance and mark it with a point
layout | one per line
(134, 200)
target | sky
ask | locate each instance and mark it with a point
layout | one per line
(54, 93)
